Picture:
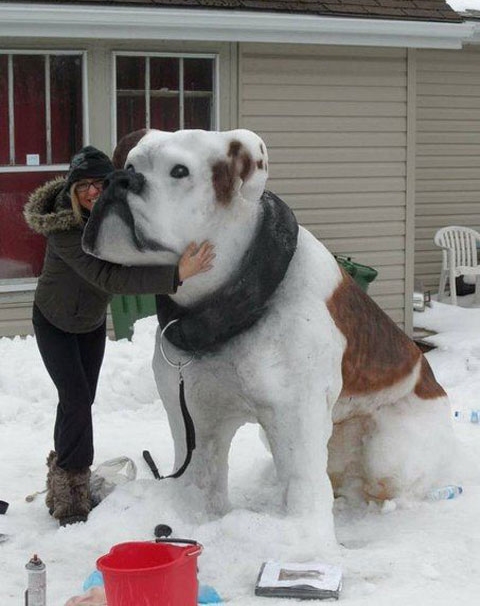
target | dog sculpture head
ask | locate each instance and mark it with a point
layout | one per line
(174, 188)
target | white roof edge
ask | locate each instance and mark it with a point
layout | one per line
(106, 22)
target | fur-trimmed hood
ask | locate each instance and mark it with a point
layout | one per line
(48, 209)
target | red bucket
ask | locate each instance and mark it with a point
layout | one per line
(149, 574)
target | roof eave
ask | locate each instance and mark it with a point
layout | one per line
(105, 22)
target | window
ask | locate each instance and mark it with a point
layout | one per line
(168, 92)
(41, 126)
(41, 113)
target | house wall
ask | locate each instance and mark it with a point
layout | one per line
(447, 152)
(335, 123)
(15, 307)
(374, 148)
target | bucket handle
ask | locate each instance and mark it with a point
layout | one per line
(185, 542)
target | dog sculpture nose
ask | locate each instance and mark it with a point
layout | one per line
(125, 180)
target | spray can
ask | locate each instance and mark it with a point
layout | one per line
(36, 593)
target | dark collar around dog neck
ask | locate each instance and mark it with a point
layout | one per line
(244, 299)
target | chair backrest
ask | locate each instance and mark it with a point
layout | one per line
(462, 241)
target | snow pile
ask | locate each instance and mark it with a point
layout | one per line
(405, 552)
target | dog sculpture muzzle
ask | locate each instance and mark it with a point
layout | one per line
(113, 203)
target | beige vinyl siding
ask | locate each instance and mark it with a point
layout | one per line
(335, 123)
(16, 315)
(448, 151)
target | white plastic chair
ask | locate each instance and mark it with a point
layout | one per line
(459, 257)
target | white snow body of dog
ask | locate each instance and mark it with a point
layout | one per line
(344, 397)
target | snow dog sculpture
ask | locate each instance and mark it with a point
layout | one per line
(282, 336)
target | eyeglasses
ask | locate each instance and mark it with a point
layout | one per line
(83, 186)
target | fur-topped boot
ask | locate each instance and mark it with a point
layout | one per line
(71, 494)
(49, 497)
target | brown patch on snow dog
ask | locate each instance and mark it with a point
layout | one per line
(378, 354)
(226, 174)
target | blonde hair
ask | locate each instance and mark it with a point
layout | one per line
(76, 207)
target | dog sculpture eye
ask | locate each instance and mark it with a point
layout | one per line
(179, 171)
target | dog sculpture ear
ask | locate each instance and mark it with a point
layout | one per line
(245, 169)
(125, 144)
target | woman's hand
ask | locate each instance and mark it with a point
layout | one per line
(195, 260)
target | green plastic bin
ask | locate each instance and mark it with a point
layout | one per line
(362, 274)
(127, 309)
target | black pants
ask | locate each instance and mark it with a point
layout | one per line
(73, 362)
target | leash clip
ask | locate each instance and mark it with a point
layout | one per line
(178, 365)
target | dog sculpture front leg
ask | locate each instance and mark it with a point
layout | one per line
(216, 420)
(298, 440)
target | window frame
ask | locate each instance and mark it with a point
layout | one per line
(19, 168)
(173, 55)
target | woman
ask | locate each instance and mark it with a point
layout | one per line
(69, 313)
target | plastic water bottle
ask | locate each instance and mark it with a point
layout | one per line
(467, 416)
(445, 493)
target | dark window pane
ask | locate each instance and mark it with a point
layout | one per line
(198, 74)
(21, 250)
(130, 73)
(66, 106)
(164, 73)
(130, 113)
(130, 95)
(29, 110)
(164, 113)
(198, 112)
(4, 138)
(164, 95)
(198, 87)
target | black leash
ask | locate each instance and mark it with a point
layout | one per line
(189, 427)
(187, 419)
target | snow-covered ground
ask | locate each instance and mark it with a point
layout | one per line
(417, 552)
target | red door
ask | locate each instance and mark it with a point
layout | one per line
(41, 126)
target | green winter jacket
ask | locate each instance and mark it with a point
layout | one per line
(74, 289)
